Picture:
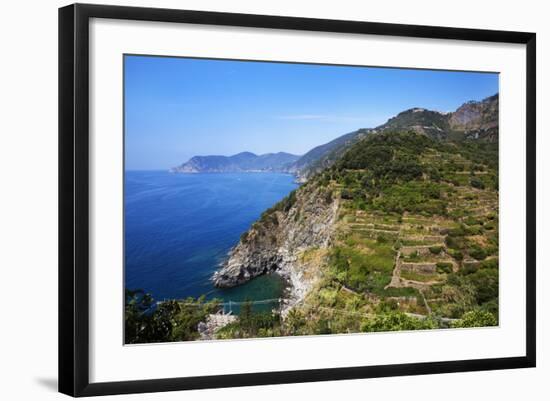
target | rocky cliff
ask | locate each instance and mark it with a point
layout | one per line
(472, 120)
(477, 120)
(302, 221)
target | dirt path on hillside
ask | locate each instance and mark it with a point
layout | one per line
(396, 275)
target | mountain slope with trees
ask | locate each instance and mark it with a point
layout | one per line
(472, 120)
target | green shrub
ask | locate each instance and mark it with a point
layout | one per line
(491, 307)
(323, 326)
(489, 264)
(477, 183)
(346, 194)
(477, 252)
(454, 242)
(468, 269)
(455, 253)
(382, 239)
(387, 305)
(472, 221)
(489, 226)
(395, 321)
(457, 232)
(485, 282)
(477, 318)
(412, 256)
(436, 250)
(473, 230)
(491, 250)
(444, 267)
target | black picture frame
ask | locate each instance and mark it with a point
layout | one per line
(74, 198)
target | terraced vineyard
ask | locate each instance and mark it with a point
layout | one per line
(421, 256)
(417, 234)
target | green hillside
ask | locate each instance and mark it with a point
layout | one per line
(417, 234)
(415, 244)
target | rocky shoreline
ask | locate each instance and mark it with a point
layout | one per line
(275, 242)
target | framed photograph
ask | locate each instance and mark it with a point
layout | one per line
(251, 199)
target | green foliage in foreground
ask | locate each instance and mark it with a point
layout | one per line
(477, 318)
(396, 321)
(251, 324)
(146, 322)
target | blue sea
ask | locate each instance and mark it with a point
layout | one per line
(180, 227)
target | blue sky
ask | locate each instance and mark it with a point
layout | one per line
(176, 108)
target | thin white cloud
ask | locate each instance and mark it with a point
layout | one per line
(347, 119)
(303, 117)
(328, 118)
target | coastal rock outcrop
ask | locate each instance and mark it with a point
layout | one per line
(303, 220)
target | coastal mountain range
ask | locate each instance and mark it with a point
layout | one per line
(241, 162)
(473, 120)
(393, 228)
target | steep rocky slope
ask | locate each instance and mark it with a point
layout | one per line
(301, 222)
(477, 120)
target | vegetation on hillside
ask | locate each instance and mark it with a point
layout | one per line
(149, 322)
(410, 197)
(415, 247)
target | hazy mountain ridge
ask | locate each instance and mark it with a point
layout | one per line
(241, 162)
(473, 120)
